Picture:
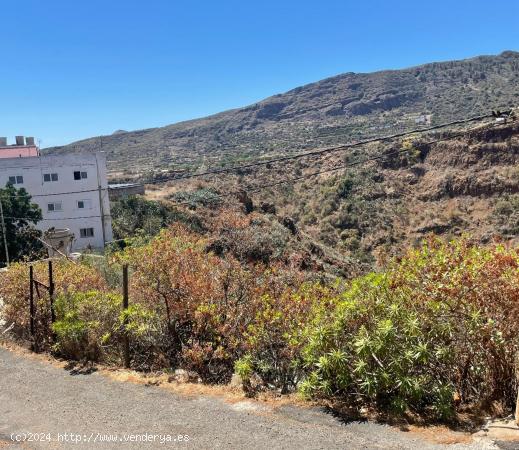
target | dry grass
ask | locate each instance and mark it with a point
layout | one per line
(441, 435)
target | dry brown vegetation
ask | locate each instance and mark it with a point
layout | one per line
(369, 213)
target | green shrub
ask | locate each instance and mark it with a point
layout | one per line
(278, 332)
(506, 214)
(244, 367)
(378, 350)
(90, 325)
(441, 324)
(87, 324)
(345, 187)
(147, 336)
(134, 216)
(14, 291)
(438, 329)
(207, 197)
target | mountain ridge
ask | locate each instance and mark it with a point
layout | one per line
(326, 112)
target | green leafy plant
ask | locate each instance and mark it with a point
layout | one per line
(438, 325)
(87, 323)
(136, 216)
(20, 216)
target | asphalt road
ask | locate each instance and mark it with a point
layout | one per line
(62, 410)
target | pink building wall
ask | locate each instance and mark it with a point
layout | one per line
(18, 151)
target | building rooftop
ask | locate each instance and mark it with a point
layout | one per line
(22, 148)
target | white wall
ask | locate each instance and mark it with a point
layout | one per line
(67, 191)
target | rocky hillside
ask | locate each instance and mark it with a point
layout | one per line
(327, 112)
(464, 182)
(467, 184)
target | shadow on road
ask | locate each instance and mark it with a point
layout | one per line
(76, 368)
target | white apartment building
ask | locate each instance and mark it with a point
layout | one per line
(71, 190)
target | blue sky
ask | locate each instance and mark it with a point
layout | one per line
(75, 69)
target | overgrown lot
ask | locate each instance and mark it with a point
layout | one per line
(434, 334)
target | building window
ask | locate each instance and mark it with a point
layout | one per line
(16, 179)
(84, 204)
(56, 206)
(48, 177)
(78, 175)
(86, 232)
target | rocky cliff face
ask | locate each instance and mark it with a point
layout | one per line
(467, 184)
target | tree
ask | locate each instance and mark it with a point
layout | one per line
(20, 214)
(129, 215)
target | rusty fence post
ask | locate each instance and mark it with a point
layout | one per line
(516, 361)
(517, 410)
(126, 340)
(51, 294)
(31, 306)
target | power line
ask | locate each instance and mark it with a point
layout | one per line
(296, 179)
(57, 218)
(322, 151)
(262, 187)
(292, 157)
(320, 172)
(66, 193)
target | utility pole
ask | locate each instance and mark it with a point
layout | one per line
(101, 205)
(4, 233)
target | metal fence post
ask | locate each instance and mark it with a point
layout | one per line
(4, 234)
(126, 340)
(51, 294)
(31, 305)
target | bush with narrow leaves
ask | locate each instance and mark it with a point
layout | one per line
(439, 325)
